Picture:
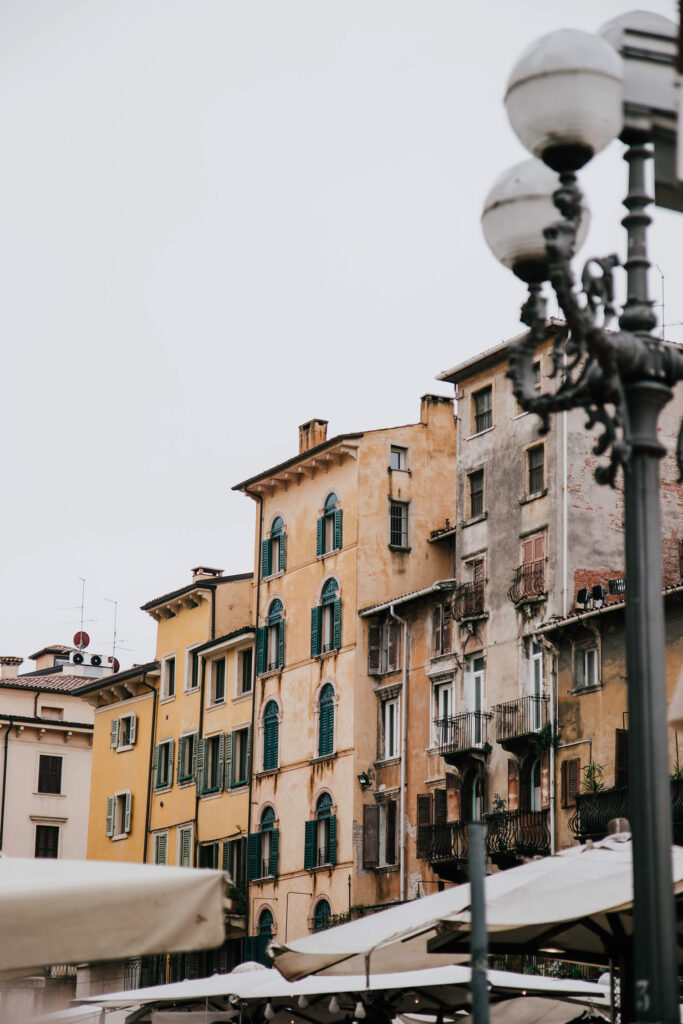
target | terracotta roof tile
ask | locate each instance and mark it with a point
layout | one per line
(56, 681)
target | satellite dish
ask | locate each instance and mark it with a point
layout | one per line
(116, 664)
(81, 639)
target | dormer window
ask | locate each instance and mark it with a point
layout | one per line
(329, 527)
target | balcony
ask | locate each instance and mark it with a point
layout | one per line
(528, 582)
(446, 848)
(595, 810)
(519, 722)
(513, 835)
(461, 735)
(469, 601)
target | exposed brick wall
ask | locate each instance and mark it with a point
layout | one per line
(591, 577)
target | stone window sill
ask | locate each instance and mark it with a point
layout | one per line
(533, 497)
(474, 519)
(324, 757)
(400, 548)
(579, 690)
(480, 433)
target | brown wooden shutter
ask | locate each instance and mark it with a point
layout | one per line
(621, 759)
(453, 797)
(390, 853)
(374, 650)
(571, 772)
(439, 806)
(424, 821)
(528, 551)
(446, 629)
(437, 629)
(513, 785)
(393, 646)
(545, 780)
(370, 835)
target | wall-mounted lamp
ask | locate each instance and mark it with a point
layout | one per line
(364, 780)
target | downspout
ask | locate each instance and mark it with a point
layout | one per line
(153, 691)
(4, 780)
(200, 732)
(259, 499)
(554, 710)
(404, 748)
(565, 511)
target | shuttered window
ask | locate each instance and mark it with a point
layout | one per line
(271, 730)
(370, 836)
(320, 838)
(185, 847)
(270, 640)
(424, 821)
(326, 721)
(119, 814)
(329, 527)
(238, 757)
(571, 781)
(321, 916)
(273, 550)
(326, 621)
(49, 774)
(187, 756)
(162, 765)
(390, 834)
(384, 647)
(47, 841)
(161, 848)
(208, 855)
(270, 845)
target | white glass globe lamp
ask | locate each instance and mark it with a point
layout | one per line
(564, 97)
(517, 209)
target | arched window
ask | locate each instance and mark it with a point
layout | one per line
(326, 621)
(321, 915)
(329, 527)
(271, 731)
(270, 837)
(270, 640)
(326, 721)
(265, 935)
(321, 835)
(273, 549)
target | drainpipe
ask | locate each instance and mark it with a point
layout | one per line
(554, 711)
(4, 780)
(259, 499)
(404, 748)
(565, 510)
(153, 691)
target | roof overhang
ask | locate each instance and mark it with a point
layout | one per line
(331, 453)
(439, 586)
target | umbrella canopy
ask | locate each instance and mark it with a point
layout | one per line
(69, 911)
(330, 1000)
(587, 891)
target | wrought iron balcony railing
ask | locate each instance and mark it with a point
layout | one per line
(468, 600)
(469, 731)
(528, 582)
(521, 717)
(594, 811)
(510, 834)
(443, 842)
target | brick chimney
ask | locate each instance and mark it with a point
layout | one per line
(9, 666)
(203, 572)
(312, 433)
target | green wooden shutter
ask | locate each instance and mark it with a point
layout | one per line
(225, 858)
(337, 528)
(274, 850)
(200, 761)
(171, 760)
(229, 776)
(326, 731)
(254, 856)
(185, 847)
(310, 833)
(133, 728)
(266, 559)
(261, 649)
(128, 808)
(270, 741)
(320, 536)
(333, 839)
(283, 537)
(281, 644)
(221, 761)
(155, 768)
(316, 630)
(181, 755)
(249, 948)
(114, 733)
(111, 809)
(248, 758)
(161, 849)
(337, 624)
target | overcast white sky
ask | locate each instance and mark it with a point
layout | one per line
(220, 218)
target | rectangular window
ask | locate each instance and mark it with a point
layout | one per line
(184, 856)
(536, 369)
(473, 691)
(246, 663)
(125, 731)
(168, 678)
(187, 750)
(398, 457)
(213, 765)
(533, 566)
(120, 808)
(443, 713)
(47, 841)
(384, 647)
(476, 486)
(398, 524)
(536, 469)
(49, 774)
(235, 860)
(240, 757)
(161, 848)
(441, 628)
(218, 681)
(590, 666)
(53, 713)
(390, 728)
(387, 833)
(475, 570)
(191, 669)
(208, 855)
(163, 768)
(482, 403)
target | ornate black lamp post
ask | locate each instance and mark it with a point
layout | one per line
(564, 103)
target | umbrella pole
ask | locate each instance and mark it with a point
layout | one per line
(478, 937)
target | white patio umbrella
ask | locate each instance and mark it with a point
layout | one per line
(69, 911)
(524, 906)
(330, 1000)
